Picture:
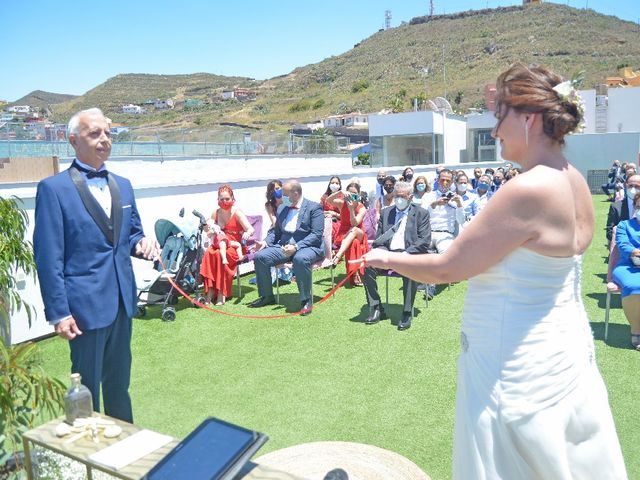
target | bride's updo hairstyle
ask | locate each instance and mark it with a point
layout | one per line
(529, 89)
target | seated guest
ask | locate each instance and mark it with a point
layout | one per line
(420, 187)
(330, 210)
(462, 184)
(274, 199)
(218, 276)
(614, 176)
(387, 199)
(407, 175)
(626, 274)
(622, 209)
(296, 237)
(351, 239)
(483, 194)
(364, 196)
(378, 191)
(404, 227)
(498, 180)
(445, 209)
(476, 176)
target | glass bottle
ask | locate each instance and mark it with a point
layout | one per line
(77, 401)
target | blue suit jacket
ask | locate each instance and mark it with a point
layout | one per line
(309, 229)
(81, 272)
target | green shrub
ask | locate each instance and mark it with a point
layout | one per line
(360, 86)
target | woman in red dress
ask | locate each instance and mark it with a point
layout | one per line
(350, 238)
(330, 210)
(228, 219)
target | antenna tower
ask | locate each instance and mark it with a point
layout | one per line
(431, 8)
(387, 19)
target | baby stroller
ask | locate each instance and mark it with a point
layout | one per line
(181, 243)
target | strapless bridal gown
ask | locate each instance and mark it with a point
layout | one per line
(531, 403)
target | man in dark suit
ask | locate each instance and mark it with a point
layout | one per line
(621, 210)
(402, 227)
(86, 229)
(614, 175)
(296, 237)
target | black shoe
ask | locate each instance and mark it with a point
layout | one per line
(306, 308)
(375, 315)
(405, 322)
(262, 302)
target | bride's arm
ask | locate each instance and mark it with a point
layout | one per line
(507, 222)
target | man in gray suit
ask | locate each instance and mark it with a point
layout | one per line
(403, 227)
(296, 237)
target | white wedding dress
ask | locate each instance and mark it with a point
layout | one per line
(531, 403)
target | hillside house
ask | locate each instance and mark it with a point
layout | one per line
(20, 111)
(159, 104)
(132, 109)
(356, 119)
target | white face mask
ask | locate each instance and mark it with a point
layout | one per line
(462, 187)
(401, 203)
(631, 192)
(334, 187)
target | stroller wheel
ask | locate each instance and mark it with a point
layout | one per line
(172, 300)
(169, 314)
(141, 311)
(201, 299)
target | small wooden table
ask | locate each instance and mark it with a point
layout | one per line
(80, 450)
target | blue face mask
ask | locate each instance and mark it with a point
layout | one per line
(483, 186)
(421, 187)
(401, 203)
(286, 201)
(277, 193)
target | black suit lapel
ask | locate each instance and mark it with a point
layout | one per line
(91, 204)
(116, 208)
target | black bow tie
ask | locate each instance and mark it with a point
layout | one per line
(100, 174)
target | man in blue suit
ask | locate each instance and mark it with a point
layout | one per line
(296, 237)
(86, 229)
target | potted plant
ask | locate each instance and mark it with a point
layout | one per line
(26, 391)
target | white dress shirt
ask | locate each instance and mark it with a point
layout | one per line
(291, 222)
(99, 188)
(397, 241)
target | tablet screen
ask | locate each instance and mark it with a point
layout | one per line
(206, 453)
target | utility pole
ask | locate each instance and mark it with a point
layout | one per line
(431, 8)
(444, 72)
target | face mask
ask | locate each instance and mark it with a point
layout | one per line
(637, 215)
(401, 203)
(631, 192)
(286, 201)
(388, 189)
(483, 186)
(416, 201)
(277, 193)
(421, 187)
(462, 187)
(381, 180)
(226, 204)
(334, 187)
(408, 177)
(497, 181)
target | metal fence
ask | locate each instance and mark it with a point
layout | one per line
(39, 139)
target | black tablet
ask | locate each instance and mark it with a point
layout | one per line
(215, 450)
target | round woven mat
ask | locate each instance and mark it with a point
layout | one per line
(312, 461)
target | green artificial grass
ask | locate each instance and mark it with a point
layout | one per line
(328, 376)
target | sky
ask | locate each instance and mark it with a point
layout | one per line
(74, 45)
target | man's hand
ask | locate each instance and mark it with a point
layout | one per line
(67, 328)
(147, 249)
(289, 250)
(458, 200)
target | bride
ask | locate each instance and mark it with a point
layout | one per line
(531, 402)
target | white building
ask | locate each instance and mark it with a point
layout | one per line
(228, 94)
(416, 138)
(19, 109)
(132, 109)
(347, 120)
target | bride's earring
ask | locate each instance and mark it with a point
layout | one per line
(526, 133)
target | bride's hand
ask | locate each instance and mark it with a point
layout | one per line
(377, 258)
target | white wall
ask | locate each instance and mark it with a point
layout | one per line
(407, 123)
(589, 97)
(596, 151)
(622, 114)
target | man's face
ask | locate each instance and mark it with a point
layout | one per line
(92, 143)
(388, 186)
(403, 194)
(477, 172)
(288, 191)
(633, 182)
(381, 176)
(444, 181)
(498, 177)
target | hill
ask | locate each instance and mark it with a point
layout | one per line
(448, 55)
(40, 99)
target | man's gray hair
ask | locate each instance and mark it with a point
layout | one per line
(74, 123)
(295, 186)
(403, 187)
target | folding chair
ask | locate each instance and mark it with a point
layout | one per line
(256, 223)
(612, 287)
(392, 273)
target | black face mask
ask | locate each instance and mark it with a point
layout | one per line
(388, 189)
(408, 177)
(381, 180)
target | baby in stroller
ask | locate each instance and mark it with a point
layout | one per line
(221, 241)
